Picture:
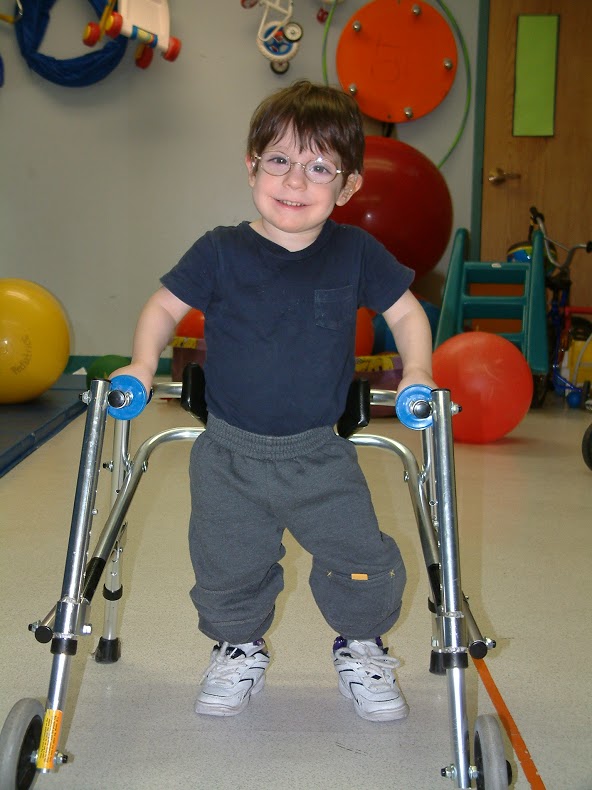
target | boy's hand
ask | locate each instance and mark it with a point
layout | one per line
(416, 376)
(139, 371)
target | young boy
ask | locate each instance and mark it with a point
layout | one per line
(280, 295)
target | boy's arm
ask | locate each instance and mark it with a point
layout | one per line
(158, 319)
(409, 324)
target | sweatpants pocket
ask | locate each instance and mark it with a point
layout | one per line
(359, 603)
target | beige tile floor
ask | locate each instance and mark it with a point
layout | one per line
(526, 545)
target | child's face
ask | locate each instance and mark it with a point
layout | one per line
(293, 208)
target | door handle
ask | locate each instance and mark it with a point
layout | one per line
(499, 176)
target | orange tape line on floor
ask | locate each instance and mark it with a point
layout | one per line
(530, 770)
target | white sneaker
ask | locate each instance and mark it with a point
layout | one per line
(235, 672)
(367, 676)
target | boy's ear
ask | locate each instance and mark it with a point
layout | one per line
(251, 168)
(351, 186)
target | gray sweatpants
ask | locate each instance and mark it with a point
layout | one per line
(246, 489)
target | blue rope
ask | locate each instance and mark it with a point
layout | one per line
(72, 72)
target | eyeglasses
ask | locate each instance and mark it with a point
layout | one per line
(319, 170)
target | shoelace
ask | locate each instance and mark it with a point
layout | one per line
(378, 668)
(224, 669)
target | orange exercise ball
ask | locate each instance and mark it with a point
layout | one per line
(404, 202)
(489, 378)
(34, 340)
(191, 325)
(364, 333)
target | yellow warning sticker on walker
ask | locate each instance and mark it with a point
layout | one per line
(50, 735)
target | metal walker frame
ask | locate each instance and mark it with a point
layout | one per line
(30, 738)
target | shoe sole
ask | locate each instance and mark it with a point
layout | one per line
(217, 709)
(394, 714)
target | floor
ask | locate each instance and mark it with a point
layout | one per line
(526, 543)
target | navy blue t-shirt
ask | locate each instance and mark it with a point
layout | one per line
(280, 325)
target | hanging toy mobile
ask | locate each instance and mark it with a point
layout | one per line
(279, 37)
(144, 21)
(12, 20)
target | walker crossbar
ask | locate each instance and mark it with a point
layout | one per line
(432, 489)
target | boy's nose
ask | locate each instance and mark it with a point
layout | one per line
(296, 174)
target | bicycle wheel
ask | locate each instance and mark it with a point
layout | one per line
(540, 387)
(587, 447)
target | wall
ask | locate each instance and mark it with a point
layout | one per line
(103, 188)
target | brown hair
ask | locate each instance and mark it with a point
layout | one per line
(319, 116)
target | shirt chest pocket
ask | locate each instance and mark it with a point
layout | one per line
(334, 307)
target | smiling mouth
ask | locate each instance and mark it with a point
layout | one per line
(291, 203)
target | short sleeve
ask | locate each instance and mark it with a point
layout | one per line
(193, 279)
(383, 278)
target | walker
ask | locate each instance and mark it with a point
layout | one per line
(30, 738)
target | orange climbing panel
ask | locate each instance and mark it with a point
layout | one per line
(398, 59)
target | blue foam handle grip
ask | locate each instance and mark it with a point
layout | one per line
(413, 407)
(135, 394)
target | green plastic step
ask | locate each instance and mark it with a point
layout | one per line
(459, 306)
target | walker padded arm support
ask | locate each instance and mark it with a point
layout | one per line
(193, 391)
(357, 409)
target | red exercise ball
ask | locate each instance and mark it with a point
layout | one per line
(490, 378)
(404, 202)
(191, 325)
(364, 333)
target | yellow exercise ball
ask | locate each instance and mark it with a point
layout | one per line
(34, 340)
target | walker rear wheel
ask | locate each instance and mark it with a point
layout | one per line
(493, 772)
(19, 741)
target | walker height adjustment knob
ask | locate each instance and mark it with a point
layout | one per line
(414, 407)
(127, 398)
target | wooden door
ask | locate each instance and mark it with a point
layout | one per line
(555, 172)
